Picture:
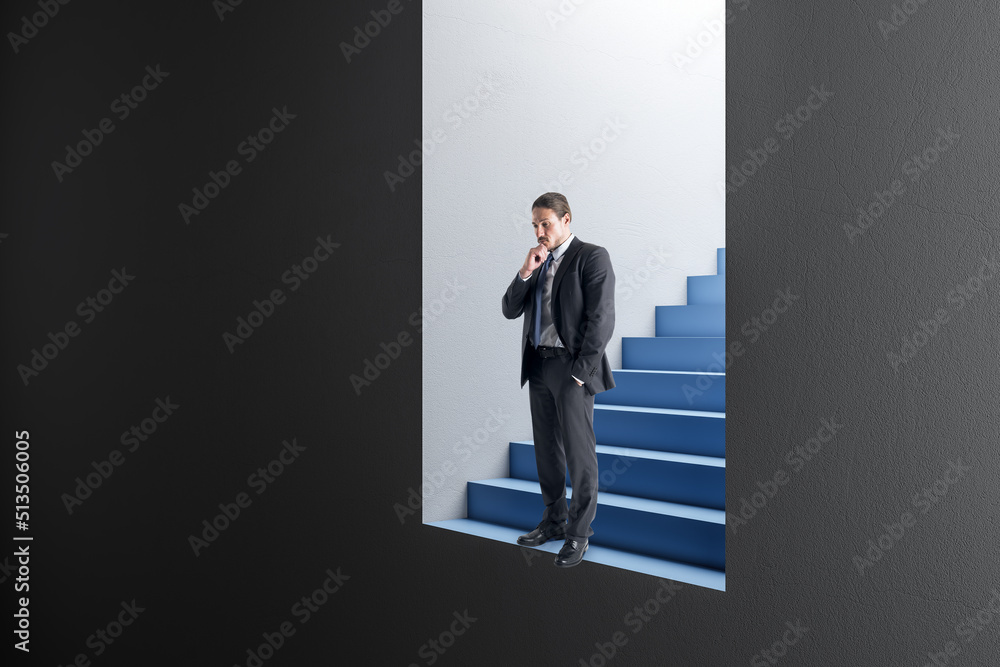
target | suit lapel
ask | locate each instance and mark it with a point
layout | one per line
(567, 258)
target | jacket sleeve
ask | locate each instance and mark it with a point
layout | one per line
(598, 313)
(515, 296)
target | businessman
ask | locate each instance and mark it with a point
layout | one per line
(566, 291)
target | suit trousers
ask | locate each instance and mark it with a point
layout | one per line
(562, 421)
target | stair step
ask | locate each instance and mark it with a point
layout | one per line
(667, 389)
(655, 528)
(666, 569)
(706, 290)
(693, 353)
(678, 478)
(661, 429)
(720, 258)
(694, 320)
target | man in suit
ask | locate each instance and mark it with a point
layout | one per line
(566, 290)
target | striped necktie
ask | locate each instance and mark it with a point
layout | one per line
(539, 287)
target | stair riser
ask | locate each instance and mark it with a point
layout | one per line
(685, 483)
(662, 390)
(693, 320)
(674, 354)
(661, 432)
(668, 537)
(706, 290)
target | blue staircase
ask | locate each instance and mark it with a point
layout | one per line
(661, 448)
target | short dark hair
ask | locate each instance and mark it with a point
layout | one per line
(555, 201)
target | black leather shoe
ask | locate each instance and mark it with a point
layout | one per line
(572, 553)
(543, 533)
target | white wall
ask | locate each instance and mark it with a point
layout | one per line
(539, 80)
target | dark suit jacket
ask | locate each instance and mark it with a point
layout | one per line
(583, 312)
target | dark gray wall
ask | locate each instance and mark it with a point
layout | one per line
(910, 272)
(826, 357)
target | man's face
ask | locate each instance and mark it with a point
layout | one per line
(550, 230)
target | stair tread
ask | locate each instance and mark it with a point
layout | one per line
(643, 370)
(676, 337)
(660, 411)
(652, 454)
(662, 507)
(626, 560)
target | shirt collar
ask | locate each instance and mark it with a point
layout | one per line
(558, 252)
